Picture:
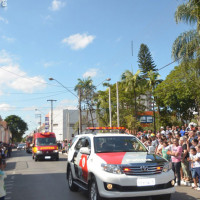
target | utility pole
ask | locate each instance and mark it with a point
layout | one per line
(51, 113)
(80, 112)
(117, 91)
(110, 111)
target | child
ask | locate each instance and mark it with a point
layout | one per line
(2, 177)
(195, 165)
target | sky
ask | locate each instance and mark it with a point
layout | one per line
(71, 39)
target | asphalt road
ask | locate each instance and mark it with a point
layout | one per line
(46, 180)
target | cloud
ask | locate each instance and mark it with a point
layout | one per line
(91, 73)
(68, 104)
(57, 5)
(3, 20)
(8, 39)
(13, 77)
(5, 107)
(4, 58)
(118, 39)
(48, 64)
(78, 41)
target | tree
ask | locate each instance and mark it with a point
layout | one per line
(87, 94)
(153, 81)
(180, 91)
(145, 60)
(17, 127)
(133, 84)
(186, 46)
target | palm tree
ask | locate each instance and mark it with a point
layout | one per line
(87, 90)
(153, 81)
(186, 46)
(133, 84)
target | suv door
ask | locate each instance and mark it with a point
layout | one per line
(80, 160)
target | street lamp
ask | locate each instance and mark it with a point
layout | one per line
(79, 100)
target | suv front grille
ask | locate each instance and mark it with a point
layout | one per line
(143, 169)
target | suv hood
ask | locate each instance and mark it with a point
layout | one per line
(126, 158)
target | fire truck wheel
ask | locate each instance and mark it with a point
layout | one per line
(93, 190)
(71, 184)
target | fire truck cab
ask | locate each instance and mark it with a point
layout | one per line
(44, 147)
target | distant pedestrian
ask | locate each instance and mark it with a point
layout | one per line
(2, 177)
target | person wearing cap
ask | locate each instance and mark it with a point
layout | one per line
(162, 131)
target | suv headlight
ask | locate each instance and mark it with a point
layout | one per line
(55, 151)
(39, 152)
(115, 169)
(167, 166)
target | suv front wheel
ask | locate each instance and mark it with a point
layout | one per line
(71, 184)
(93, 191)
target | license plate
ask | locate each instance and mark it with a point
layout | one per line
(47, 157)
(146, 182)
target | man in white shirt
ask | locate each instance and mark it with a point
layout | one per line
(162, 131)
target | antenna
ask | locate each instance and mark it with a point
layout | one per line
(132, 54)
(132, 47)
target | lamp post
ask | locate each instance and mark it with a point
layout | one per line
(79, 101)
(51, 113)
(117, 91)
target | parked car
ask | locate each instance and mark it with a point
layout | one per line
(21, 146)
(117, 166)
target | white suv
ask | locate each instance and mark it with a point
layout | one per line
(117, 165)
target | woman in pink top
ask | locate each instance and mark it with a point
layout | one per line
(175, 153)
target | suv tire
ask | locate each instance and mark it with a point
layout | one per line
(72, 186)
(93, 191)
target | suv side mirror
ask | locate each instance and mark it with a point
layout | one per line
(85, 150)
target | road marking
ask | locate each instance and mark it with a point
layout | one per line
(7, 197)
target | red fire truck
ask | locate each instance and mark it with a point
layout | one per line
(44, 146)
(29, 140)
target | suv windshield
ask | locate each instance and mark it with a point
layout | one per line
(118, 144)
(45, 141)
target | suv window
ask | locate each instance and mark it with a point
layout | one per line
(118, 144)
(83, 142)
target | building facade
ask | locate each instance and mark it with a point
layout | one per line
(64, 121)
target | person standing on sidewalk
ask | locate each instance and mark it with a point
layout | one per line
(2, 177)
(175, 153)
(195, 165)
(185, 156)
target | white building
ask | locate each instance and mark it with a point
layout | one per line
(64, 121)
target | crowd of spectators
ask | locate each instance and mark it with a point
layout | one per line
(181, 146)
